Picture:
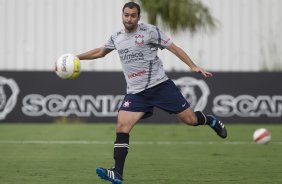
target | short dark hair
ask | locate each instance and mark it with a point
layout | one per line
(132, 5)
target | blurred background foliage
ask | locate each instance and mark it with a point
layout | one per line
(178, 15)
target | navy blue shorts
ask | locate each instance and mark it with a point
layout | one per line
(165, 96)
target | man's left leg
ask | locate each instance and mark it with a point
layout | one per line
(126, 121)
(189, 117)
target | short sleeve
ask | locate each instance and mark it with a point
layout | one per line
(110, 44)
(158, 38)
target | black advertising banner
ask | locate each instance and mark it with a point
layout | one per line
(234, 97)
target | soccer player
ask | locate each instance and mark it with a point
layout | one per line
(147, 84)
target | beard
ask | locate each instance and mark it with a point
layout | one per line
(129, 26)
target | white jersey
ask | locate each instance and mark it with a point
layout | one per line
(142, 67)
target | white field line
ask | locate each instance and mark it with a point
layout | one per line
(132, 142)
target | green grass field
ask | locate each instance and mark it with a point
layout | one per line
(158, 154)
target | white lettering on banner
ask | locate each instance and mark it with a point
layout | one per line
(247, 106)
(83, 106)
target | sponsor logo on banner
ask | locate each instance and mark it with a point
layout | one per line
(196, 91)
(253, 105)
(9, 91)
(56, 105)
(247, 106)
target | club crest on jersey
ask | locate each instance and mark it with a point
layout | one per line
(126, 104)
(139, 40)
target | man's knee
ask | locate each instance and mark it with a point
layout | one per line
(122, 127)
(188, 117)
(190, 120)
(126, 120)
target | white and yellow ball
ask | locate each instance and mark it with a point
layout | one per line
(261, 136)
(67, 66)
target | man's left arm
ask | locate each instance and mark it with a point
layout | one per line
(181, 54)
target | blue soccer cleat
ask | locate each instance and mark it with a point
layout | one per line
(109, 175)
(217, 126)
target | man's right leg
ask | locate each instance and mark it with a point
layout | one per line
(126, 121)
(198, 118)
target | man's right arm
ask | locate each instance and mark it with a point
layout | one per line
(94, 54)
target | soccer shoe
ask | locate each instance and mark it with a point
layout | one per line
(109, 175)
(217, 126)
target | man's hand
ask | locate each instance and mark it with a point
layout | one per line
(202, 71)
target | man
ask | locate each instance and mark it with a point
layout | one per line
(147, 84)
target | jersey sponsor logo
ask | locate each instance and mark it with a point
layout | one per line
(139, 40)
(143, 29)
(126, 57)
(136, 74)
(195, 91)
(123, 51)
(9, 91)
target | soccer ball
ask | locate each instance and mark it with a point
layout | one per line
(67, 66)
(261, 136)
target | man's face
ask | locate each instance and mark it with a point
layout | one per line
(130, 19)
